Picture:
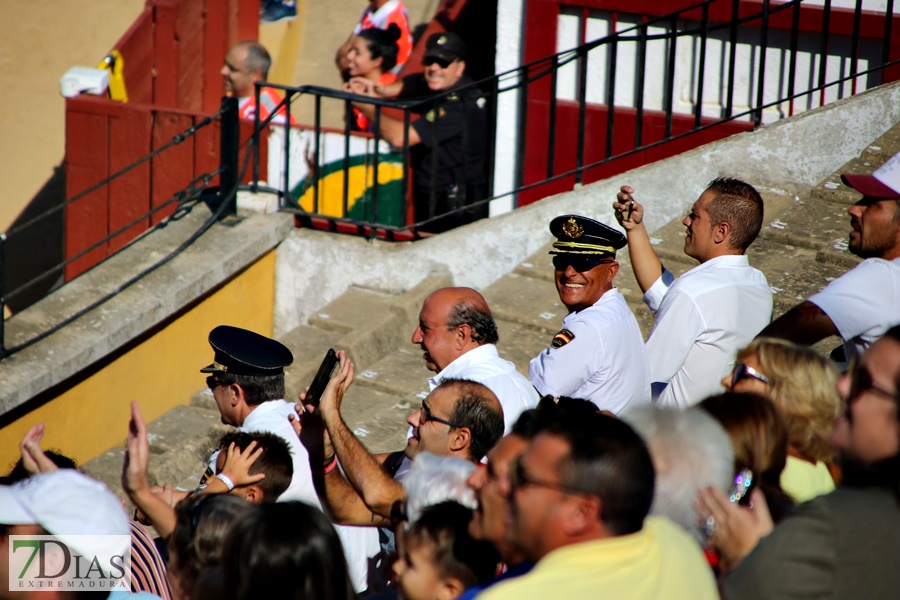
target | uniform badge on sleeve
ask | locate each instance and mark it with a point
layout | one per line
(562, 338)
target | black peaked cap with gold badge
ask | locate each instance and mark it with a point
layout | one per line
(580, 235)
(242, 352)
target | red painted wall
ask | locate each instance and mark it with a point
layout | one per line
(173, 54)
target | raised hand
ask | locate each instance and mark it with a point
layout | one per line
(734, 530)
(33, 458)
(629, 213)
(135, 475)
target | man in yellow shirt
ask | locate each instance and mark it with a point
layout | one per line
(578, 501)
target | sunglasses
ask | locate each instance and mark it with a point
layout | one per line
(579, 263)
(425, 415)
(212, 383)
(861, 382)
(519, 478)
(435, 60)
(742, 371)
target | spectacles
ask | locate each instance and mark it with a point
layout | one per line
(519, 478)
(212, 383)
(435, 60)
(579, 263)
(425, 415)
(742, 371)
(861, 382)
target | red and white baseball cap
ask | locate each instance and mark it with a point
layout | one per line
(883, 183)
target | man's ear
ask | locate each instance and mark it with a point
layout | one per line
(461, 68)
(450, 588)
(613, 269)
(237, 394)
(460, 439)
(721, 231)
(583, 515)
(463, 334)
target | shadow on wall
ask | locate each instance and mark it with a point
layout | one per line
(37, 248)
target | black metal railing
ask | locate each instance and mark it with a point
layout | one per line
(713, 68)
(223, 202)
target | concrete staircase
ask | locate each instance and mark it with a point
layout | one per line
(801, 248)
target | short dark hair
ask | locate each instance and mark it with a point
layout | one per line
(275, 461)
(738, 204)
(549, 410)
(258, 58)
(607, 459)
(382, 43)
(479, 318)
(473, 409)
(285, 550)
(201, 524)
(257, 388)
(455, 553)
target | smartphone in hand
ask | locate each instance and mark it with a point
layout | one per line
(323, 375)
(743, 485)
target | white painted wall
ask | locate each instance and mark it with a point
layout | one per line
(313, 268)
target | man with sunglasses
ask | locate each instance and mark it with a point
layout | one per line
(706, 314)
(246, 380)
(863, 303)
(448, 144)
(842, 544)
(578, 501)
(599, 353)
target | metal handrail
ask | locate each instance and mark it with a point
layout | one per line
(521, 80)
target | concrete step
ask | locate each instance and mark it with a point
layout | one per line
(526, 301)
(401, 373)
(181, 441)
(810, 223)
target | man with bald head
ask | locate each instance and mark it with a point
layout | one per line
(458, 336)
(245, 64)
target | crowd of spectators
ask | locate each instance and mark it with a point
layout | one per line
(722, 456)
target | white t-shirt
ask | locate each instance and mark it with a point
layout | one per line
(604, 360)
(359, 542)
(863, 303)
(702, 319)
(483, 365)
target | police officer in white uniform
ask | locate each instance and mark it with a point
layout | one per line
(598, 354)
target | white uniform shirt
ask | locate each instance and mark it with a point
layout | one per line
(605, 360)
(483, 365)
(863, 303)
(359, 542)
(702, 319)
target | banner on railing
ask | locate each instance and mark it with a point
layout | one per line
(362, 201)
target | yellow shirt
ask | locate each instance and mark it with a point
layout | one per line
(659, 562)
(804, 481)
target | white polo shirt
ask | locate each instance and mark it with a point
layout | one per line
(484, 365)
(702, 319)
(604, 360)
(863, 303)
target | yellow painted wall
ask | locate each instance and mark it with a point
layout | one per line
(162, 372)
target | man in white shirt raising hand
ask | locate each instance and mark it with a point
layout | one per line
(705, 315)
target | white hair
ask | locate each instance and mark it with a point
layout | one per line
(434, 479)
(690, 451)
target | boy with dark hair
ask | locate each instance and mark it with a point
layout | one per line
(439, 558)
(244, 457)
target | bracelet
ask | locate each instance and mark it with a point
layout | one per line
(226, 480)
(330, 466)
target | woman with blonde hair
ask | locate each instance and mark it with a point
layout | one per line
(801, 383)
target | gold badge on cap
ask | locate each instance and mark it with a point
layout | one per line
(442, 40)
(572, 229)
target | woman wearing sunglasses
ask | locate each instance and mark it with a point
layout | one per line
(801, 383)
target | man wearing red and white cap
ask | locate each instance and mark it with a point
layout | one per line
(864, 303)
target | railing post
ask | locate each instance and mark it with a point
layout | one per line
(228, 155)
(3, 352)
